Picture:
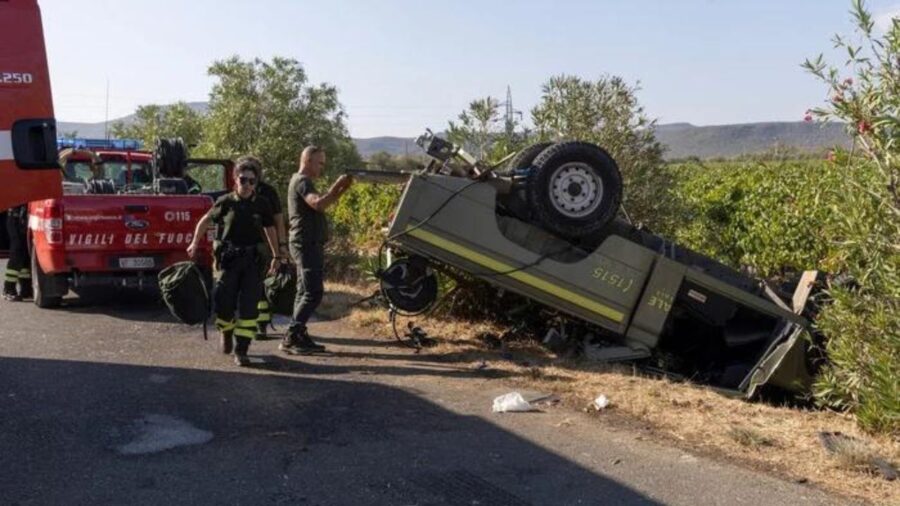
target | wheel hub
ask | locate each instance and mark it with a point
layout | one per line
(575, 190)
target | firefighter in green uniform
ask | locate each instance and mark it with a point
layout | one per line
(18, 271)
(265, 190)
(242, 218)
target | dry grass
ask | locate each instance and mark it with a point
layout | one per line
(777, 439)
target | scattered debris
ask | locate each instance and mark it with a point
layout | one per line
(616, 462)
(600, 403)
(555, 340)
(856, 454)
(490, 340)
(418, 337)
(566, 422)
(511, 402)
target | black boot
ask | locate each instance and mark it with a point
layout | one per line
(306, 344)
(9, 291)
(25, 289)
(227, 341)
(241, 346)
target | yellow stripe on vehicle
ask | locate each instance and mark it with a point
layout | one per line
(524, 277)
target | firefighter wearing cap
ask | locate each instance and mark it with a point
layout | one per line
(242, 219)
(18, 273)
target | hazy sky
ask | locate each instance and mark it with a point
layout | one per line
(404, 65)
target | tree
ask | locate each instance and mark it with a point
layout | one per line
(862, 322)
(477, 126)
(267, 109)
(485, 132)
(154, 121)
(383, 160)
(606, 112)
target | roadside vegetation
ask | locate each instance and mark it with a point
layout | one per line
(775, 214)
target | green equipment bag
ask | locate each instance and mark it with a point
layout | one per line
(185, 290)
(281, 288)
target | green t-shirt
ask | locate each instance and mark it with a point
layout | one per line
(307, 226)
(240, 221)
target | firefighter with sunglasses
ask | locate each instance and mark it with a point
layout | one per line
(242, 218)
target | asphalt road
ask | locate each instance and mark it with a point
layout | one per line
(111, 402)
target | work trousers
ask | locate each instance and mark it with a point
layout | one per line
(310, 260)
(265, 313)
(238, 289)
(18, 268)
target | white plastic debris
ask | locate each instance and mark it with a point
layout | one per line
(511, 402)
(601, 402)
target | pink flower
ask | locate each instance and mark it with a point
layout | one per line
(848, 81)
(837, 98)
(863, 127)
(808, 118)
(831, 156)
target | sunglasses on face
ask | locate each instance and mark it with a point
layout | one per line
(247, 180)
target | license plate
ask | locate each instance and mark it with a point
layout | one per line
(136, 263)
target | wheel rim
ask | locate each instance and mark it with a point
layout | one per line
(575, 190)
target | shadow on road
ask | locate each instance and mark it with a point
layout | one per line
(275, 439)
(120, 303)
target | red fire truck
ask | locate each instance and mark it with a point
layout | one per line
(121, 232)
(28, 168)
(117, 222)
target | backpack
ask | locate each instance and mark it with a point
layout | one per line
(185, 290)
(281, 288)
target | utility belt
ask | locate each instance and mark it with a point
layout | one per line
(227, 253)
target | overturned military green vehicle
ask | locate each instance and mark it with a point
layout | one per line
(546, 227)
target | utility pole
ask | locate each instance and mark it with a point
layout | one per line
(509, 116)
(106, 119)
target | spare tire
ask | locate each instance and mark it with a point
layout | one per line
(574, 189)
(525, 158)
(170, 157)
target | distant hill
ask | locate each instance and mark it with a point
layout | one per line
(682, 140)
(98, 130)
(392, 145)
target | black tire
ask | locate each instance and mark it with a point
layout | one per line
(170, 157)
(48, 289)
(525, 158)
(575, 189)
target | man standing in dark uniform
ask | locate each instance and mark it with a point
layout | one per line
(265, 190)
(18, 268)
(242, 218)
(308, 234)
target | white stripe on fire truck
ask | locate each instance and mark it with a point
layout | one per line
(6, 152)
